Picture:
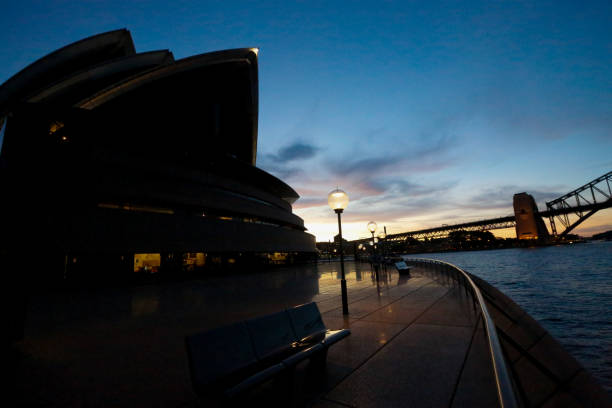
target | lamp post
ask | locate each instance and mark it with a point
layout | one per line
(372, 228)
(338, 200)
(381, 239)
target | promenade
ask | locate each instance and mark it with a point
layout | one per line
(415, 341)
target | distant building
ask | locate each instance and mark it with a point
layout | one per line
(529, 223)
(115, 161)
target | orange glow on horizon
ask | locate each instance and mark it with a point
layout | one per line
(352, 230)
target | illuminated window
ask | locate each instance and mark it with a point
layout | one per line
(148, 263)
(191, 260)
(138, 208)
(278, 257)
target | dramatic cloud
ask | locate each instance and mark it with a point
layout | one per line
(283, 164)
(296, 151)
(424, 154)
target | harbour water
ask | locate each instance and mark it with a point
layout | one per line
(568, 289)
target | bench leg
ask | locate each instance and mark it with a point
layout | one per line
(319, 361)
(274, 392)
(316, 372)
(284, 383)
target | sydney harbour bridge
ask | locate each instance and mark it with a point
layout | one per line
(563, 214)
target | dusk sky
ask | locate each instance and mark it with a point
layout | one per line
(425, 113)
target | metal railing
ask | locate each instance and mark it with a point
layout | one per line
(503, 380)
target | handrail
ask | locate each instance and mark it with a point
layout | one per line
(505, 390)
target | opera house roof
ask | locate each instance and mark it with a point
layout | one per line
(104, 71)
(105, 124)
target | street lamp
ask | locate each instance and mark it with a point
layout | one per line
(338, 200)
(372, 228)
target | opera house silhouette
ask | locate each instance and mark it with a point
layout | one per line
(114, 162)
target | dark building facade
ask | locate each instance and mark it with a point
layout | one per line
(116, 161)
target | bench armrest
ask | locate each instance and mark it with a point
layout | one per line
(333, 336)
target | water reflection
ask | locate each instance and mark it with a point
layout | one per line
(208, 301)
(143, 305)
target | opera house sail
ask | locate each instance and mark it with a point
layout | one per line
(114, 161)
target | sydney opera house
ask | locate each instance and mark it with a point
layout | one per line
(114, 162)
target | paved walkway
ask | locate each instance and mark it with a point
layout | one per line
(414, 342)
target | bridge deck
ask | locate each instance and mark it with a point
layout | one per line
(415, 341)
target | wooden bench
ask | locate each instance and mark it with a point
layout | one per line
(402, 268)
(228, 361)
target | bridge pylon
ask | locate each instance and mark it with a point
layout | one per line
(529, 222)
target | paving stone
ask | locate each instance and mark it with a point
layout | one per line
(585, 389)
(512, 354)
(423, 297)
(501, 319)
(362, 307)
(335, 322)
(366, 338)
(329, 304)
(418, 368)
(526, 332)
(452, 309)
(395, 313)
(562, 400)
(477, 386)
(324, 403)
(537, 386)
(551, 355)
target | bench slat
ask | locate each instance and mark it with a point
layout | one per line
(272, 335)
(306, 320)
(218, 353)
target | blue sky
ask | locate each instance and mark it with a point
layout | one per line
(426, 113)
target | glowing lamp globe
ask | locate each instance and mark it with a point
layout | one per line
(372, 226)
(337, 200)
(382, 235)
